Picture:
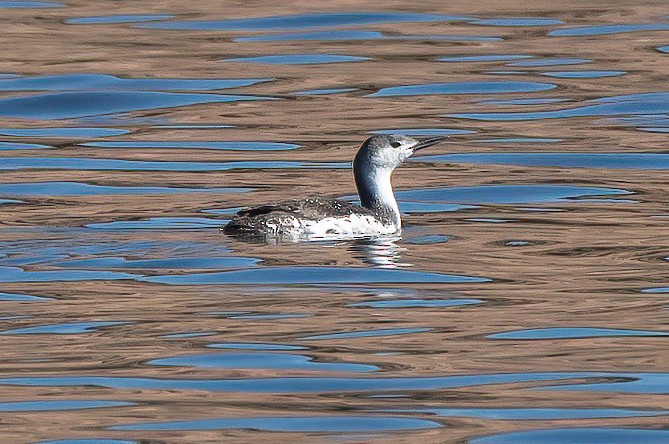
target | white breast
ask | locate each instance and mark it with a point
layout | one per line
(349, 226)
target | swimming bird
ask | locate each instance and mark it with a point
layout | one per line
(322, 218)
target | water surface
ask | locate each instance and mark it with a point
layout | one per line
(71, 105)
(97, 164)
(11, 146)
(366, 334)
(64, 133)
(87, 441)
(356, 35)
(463, 88)
(62, 329)
(525, 300)
(215, 145)
(26, 189)
(45, 406)
(311, 424)
(300, 59)
(634, 104)
(128, 18)
(621, 382)
(506, 194)
(20, 297)
(158, 223)
(572, 333)
(650, 161)
(584, 31)
(312, 275)
(549, 62)
(106, 82)
(14, 274)
(305, 21)
(29, 5)
(259, 360)
(583, 74)
(586, 434)
(517, 21)
(525, 414)
(417, 303)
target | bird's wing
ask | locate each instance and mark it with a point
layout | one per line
(284, 207)
(313, 208)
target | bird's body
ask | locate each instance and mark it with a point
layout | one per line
(324, 218)
(312, 217)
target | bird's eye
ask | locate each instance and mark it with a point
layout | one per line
(395, 144)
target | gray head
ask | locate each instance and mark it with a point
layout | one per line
(389, 151)
(375, 161)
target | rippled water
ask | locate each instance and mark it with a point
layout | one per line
(525, 302)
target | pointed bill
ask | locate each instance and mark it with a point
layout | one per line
(428, 142)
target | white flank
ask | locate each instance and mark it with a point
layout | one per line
(350, 226)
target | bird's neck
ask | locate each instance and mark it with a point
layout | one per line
(376, 192)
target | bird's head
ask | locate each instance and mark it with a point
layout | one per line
(387, 152)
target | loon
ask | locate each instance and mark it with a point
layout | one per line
(322, 218)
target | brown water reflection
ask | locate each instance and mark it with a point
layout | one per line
(417, 339)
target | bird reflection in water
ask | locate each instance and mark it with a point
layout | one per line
(381, 251)
(378, 251)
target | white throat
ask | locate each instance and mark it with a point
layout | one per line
(377, 193)
(383, 188)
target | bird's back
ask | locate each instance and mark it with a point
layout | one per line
(315, 217)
